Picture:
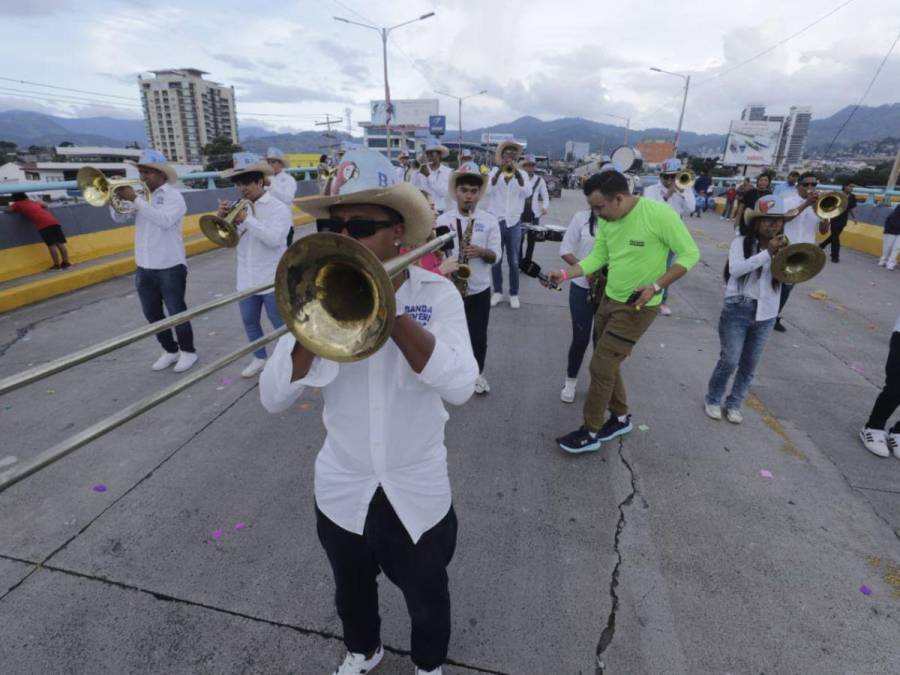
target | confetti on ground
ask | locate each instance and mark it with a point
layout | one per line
(6, 461)
(204, 318)
(796, 346)
(218, 295)
(819, 295)
(865, 590)
(26, 339)
(227, 381)
(220, 388)
(765, 473)
(99, 487)
(643, 427)
(51, 391)
(240, 526)
(662, 344)
(217, 534)
(723, 245)
(856, 368)
(212, 332)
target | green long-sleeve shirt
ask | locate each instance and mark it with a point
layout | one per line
(636, 247)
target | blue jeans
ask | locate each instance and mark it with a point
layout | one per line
(156, 288)
(742, 339)
(582, 313)
(251, 313)
(669, 260)
(510, 238)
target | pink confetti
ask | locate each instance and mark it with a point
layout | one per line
(228, 380)
(765, 474)
(856, 368)
(240, 526)
(865, 590)
(217, 534)
(304, 406)
(99, 487)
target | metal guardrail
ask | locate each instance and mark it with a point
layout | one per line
(720, 181)
(210, 176)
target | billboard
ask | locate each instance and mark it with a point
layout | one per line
(576, 150)
(413, 112)
(494, 139)
(752, 143)
(655, 151)
(437, 124)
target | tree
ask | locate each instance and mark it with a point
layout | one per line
(218, 153)
(7, 152)
(67, 144)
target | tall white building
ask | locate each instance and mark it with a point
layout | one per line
(754, 112)
(796, 130)
(183, 112)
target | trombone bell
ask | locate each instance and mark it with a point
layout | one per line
(797, 263)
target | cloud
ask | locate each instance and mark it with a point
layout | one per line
(238, 62)
(267, 92)
(33, 7)
(352, 63)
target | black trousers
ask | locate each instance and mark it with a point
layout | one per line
(529, 235)
(835, 239)
(419, 570)
(166, 287)
(478, 310)
(889, 398)
(785, 294)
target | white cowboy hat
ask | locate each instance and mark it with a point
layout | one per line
(259, 167)
(367, 177)
(153, 159)
(436, 146)
(503, 145)
(275, 153)
(465, 169)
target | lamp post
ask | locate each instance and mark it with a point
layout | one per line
(687, 84)
(460, 99)
(384, 32)
(620, 117)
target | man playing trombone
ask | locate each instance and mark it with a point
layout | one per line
(382, 491)
(161, 276)
(263, 226)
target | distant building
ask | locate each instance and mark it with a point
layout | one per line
(796, 130)
(409, 124)
(576, 150)
(655, 151)
(754, 112)
(183, 112)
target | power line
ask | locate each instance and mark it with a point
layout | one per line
(353, 11)
(52, 86)
(865, 93)
(65, 99)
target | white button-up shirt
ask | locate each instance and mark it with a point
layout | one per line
(158, 241)
(578, 240)
(752, 278)
(803, 228)
(506, 200)
(284, 188)
(437, 184)
(263, 242)
(683, 202)
(406, 174)
(485, 233)
(537, 190)
(384, 422)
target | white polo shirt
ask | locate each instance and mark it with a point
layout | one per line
(803, 228)
(485, 233)
(263, 242)
(158, 240)
(384, 422)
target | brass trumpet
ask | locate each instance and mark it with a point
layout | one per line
(337, 297)
(685, 179)
(831, 205)
(98, 190)
(796, 263)
(509, 170)
(223, 231)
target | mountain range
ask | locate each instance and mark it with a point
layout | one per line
(544, 137)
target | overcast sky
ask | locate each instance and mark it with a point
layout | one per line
(291, 62)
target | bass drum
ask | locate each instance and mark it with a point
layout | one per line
(628, 159)
(546, 232)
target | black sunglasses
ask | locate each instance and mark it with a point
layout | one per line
(356, 228)
(809, 184)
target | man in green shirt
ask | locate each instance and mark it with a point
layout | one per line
(633, 238)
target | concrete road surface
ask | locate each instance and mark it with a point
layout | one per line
(691, 546)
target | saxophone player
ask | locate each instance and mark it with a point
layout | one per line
(477, 245)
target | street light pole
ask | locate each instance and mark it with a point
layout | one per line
(620, 117)
(384, 32)
(687, 84)
(459, 100)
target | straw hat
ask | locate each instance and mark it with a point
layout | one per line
(466, 169)
(437, 147)
(153, 159)
(503, 146)
(258, 167)
(769, 206)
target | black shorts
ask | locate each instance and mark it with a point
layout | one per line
(52, 234)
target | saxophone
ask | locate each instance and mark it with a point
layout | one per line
(462, 274)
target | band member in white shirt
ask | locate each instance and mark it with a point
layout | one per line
(684, 201)
(435, 176)
(803, 228)
(507, 191)
(465, 156)
(405, 172)
(282, 185)
(536, 204)
(478, 238)
(382, 492)
(161, 276)
(264, 229)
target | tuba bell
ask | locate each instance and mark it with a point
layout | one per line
(223, 231)
(337, 297)
(796, 263)
(685, 179)
(831, 205)
(98, 190)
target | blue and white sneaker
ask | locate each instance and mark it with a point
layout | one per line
(614, 427)
(580, 440)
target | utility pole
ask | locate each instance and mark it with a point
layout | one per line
(327, 123)
(347, 113)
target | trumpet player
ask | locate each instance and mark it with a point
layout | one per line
(161, 276)
(801, 229)
(477, 245)
(282, 185)
(382, 491)
(264, 230)
(507, 190)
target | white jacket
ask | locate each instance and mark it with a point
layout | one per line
(263, 242)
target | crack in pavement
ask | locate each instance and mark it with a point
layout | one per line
(606, 637)
(165, 597)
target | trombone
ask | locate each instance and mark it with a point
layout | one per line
(831, 205)
(98, 190)
(796, 263)
(336, 297)
(222, 231)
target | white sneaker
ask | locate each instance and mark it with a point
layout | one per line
(357, 664)
(664, 310)
(713, 411)
(164, 361)
(185, 361)
(882, 262)
(734, 416)
(496, 299)
(875, 441)
(514, 302)
(254, 367)
(481, 385)
(436, 671)
(891, 265)
(567, 395)
(893, 443)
